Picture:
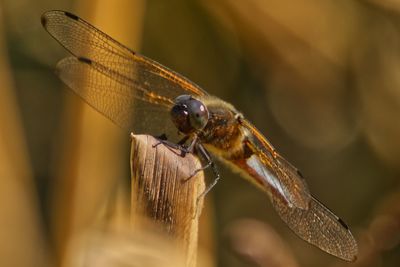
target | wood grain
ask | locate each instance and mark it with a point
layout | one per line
(162, 192)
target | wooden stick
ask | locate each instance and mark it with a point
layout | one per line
(162, 192)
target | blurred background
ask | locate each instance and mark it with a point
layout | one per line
(321, 79)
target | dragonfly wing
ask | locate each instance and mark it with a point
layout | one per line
(276, 171)
(113, 95)
(320, 227)
(84, 41)
(312, 222)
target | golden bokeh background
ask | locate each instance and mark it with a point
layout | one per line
(321, 79)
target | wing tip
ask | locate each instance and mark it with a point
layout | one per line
(354, 258)
(351, 255)
(351, 258)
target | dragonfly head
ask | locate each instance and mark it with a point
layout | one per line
(189, 114)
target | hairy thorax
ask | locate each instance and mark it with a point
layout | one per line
(222, 134)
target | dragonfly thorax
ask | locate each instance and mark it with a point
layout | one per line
(189, 114)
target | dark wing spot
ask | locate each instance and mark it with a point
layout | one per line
(85, 60)
(70, 15)
(300, 174)
(43, 20)
(343, 223)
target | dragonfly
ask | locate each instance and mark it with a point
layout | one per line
(118, 82)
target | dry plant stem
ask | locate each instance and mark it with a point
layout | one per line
(21, 236)
(91, 161)
(162, 193)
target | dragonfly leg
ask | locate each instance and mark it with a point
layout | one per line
(162, 139)
(209, 163)
(192, 144)
(183, 140)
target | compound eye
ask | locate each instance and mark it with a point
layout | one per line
(189, 114)
(198, 114)
(180, 117)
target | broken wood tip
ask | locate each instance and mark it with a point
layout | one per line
(164, 191)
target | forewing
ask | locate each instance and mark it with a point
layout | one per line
(88, 43)
(113, 95)
(320, 227)
(278, 172)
